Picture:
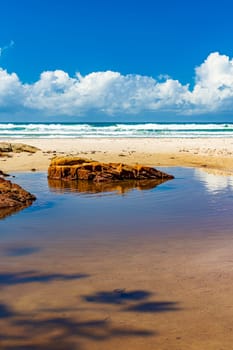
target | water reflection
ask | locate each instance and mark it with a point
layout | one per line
(214, 180)
(88, 187)
(4, 212)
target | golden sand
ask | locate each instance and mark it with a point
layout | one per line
(202, 152)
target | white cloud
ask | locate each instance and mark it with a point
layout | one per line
(111, 93)
(213, 90)
(11, 90)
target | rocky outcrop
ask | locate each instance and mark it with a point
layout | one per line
(6, 147)
(13, 198)
(74, 168)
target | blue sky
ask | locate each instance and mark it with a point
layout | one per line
(137, 60)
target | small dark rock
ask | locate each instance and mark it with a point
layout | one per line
(3, 174)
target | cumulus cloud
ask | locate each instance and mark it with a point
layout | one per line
(111, 93)
(213, 90)
(11, 90)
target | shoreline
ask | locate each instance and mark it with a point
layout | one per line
(210, 153)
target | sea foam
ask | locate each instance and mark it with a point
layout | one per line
(105, 130)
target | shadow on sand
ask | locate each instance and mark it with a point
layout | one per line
(19, 251)
(57, 332)
(8, 279)
(132, 301)
(72, 328)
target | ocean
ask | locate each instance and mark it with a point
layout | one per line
(105, 130)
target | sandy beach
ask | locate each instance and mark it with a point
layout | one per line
(212, 153)
(131, 284)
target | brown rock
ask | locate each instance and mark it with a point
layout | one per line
(74, 168)
(21, 147)
(6, 147)
(13, 198)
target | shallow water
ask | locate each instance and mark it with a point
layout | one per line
(195, 201)
(125, 268)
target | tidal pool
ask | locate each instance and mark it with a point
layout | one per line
(130, 267)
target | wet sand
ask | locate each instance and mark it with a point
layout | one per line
(137, 291)
(203, 152)
(171, 293)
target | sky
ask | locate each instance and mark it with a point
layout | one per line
(103, 60)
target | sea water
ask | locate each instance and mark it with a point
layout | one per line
(101, 130)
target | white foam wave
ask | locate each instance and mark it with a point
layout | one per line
(53, 130)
